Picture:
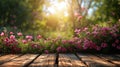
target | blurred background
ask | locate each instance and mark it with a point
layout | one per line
(56, 18)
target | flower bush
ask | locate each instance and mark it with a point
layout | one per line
(88, 39)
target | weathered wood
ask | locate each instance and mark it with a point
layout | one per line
(6, 58)
(44, 60)
(75, 61)
(70, 60)
(64, 61)
(94, 61)
(112, 58)
(51, 60)
(20, 61)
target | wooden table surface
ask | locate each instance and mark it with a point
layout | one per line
(60, 60)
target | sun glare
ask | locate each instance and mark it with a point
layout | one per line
(57, 8)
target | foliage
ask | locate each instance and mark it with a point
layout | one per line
(106, 10)
(91, 39)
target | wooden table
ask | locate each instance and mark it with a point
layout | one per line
(60, 60)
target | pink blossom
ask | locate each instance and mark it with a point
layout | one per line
(88, 33)
(78, 42)
(63, 49)
(19, 34)
(114, 35)
(98, 48)
(2, 34)
(11, 33)
(59, 49)
(76, 38)
(24, 41)
(29, 37)
(80, 17)
(46, 51)
(71, 41)
(34, 45)
(76, 14)
(103, 45)
(85, 29)
(79, 46)
(12, 37)
(105, 29)
(118, 47)
(77, 31)
(113, 44)
(64, 41)
(29, 40)
(94, 32)
(119, 20)
(39, 37)
(15, 27)
(117, 41)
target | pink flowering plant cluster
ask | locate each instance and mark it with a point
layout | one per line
(88, 39)
(100, 39)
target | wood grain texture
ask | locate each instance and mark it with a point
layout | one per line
(6, 58)
(94, 61)
(112, 58)
(44, 60)
(20, 61)
(70, 60)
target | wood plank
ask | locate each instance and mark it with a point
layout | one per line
(70, 60)
(64, 61)
(21, 61)
(60, 61)
(75, 61)
(112, 58)
(44, 60)
(9, 57)
(51, 60)
(94, 61)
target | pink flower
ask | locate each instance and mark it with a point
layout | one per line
(118, 47)
(39, 37)
(80, 17)
(11, 33)
(76, 14)
(98, 48)
(76, 38)
(88, 33)
(113, 44)
(117, 41)
(77, 31)
(2, 34)
(29, 40)
(19, 34)
(29, 37)
(103, 45)
(46, 51)
(15, 27)
(105, 29)
(64, 49)
(34, 45)
(79, 46)
(85, 29)
(12, 37)
(24, 41)
(59, 49)
(94, 32)
(64, 41)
